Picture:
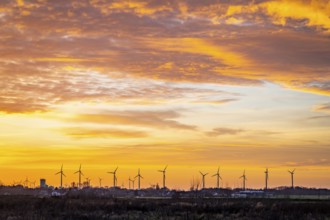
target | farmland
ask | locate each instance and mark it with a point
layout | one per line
(75, 207)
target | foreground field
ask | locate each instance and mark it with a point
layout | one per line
(28, 207)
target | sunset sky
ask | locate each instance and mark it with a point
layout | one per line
(194, 84)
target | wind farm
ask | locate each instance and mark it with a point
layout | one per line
(146, 109)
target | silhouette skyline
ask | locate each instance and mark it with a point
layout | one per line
(142, 84)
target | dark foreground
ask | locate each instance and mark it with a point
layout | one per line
(29, 207)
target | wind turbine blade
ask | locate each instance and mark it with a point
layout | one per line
(293, 170)
(206, 174)
(220, 177)
(58, 173)
(215, 175)
(201, 173)
(116, 170)
(76, 172)
(136, 176)
(165, 168)
(63, 174)
(81, 173)
(141, 177)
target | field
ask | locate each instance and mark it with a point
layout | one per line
(34, 208)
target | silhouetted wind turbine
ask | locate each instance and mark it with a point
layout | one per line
(133, 181)
(100, 182)
(203, 178)
(164, 175)
(139, 179)
(244, 179)
(292, 173)
(114, 177)
(266, 178)
(218, 177)
(80, 174)
(26, 182)
(61, 174)
(129, 183)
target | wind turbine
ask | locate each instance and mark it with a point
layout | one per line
(133, 181)
(244, 179)
(139, 179)
(88, 181)
(26, 182)
(129, 183)
(218, 177)
(164, 175)
(33, 184)
(114, 177)
(266, 178)
(203, 178)
(79, 173)
(292, 173)
(100, 181)
(61, 174)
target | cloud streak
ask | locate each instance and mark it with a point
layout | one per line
(159, 119)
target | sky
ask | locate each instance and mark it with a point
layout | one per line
(195, 85)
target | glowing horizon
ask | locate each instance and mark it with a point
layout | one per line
(144, 84)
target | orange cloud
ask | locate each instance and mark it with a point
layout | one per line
(157, 119)
(80, 133)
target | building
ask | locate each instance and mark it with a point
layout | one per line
(43, 183)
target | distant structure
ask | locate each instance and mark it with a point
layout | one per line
(26, 182)
(164, 175)
(87, 183)
(114, 177)
(33, 184)
(244, 179)
(139, 179)
(43, 183)
(292, 173)
(61, 175)
(133, 181)
(79, 174)
(129, 183)
(266, 179)
(203, 178)
(100, 182)
(218, 177)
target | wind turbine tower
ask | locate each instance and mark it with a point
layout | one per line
(218, 177)
(79, 174)
(164, 176)
(266, 178)
(292, 173)
(100, 182)
(203, 178)
(139, 179)
(244, 179)
(114, 177)
(61, 174)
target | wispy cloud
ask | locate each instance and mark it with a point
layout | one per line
(224, 131)
(80, 133)
(156, 119)
(322, 108)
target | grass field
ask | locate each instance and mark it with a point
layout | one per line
(33, 208)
